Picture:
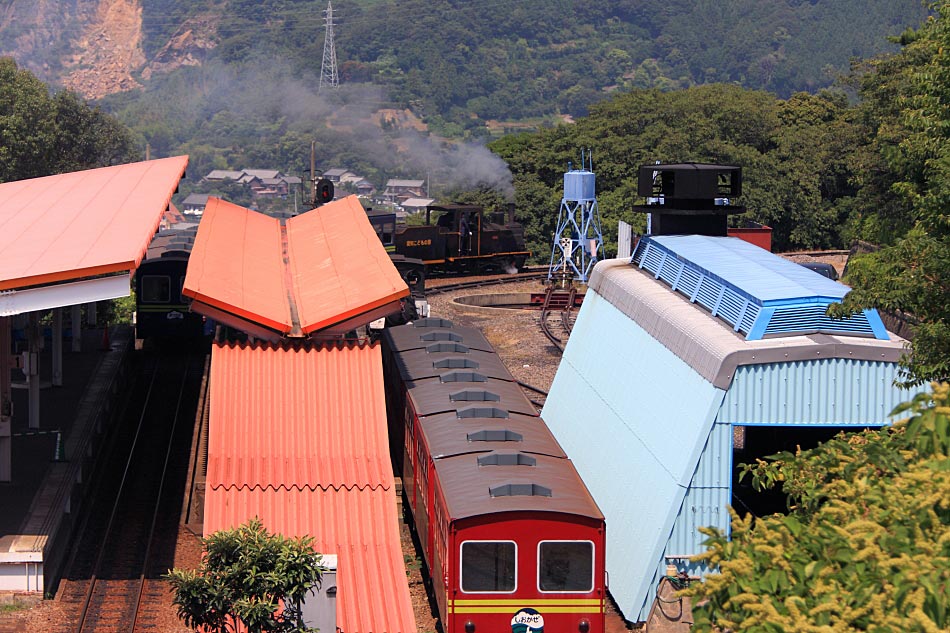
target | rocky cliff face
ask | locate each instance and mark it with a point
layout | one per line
(95, 47)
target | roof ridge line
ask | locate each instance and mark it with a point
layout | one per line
(295, 330)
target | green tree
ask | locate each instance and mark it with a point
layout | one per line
(43, 134)
(247, 575)
(905, 198)
(865, 545)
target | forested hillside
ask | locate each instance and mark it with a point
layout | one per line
(233, 82)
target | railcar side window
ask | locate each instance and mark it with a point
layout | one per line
(156, 289)
(488, 566)
(566, 566)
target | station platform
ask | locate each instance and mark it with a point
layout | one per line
(39, 507)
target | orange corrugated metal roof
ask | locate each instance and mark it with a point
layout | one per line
(302, 418)
(359, 526)
(340, 268)
(320, 269)
(84, 223)
(236, 265)
(297, 437)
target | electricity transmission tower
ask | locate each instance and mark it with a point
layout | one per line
(329, 77)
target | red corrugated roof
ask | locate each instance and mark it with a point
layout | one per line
(319, 270)
(300, 418)
(360, 526)
(340, 268)
(84, 223)
(236, 265)
(297, 437)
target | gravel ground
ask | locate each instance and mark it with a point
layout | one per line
(515, 334)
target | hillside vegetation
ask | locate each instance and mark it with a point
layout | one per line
(233, 82)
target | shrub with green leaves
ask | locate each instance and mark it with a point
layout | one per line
(865, 545)
(249, 575)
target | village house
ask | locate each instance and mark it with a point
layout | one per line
(398, 191)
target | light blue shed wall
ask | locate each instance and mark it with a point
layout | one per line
(829, 392)
(705, 503)
(634, 419)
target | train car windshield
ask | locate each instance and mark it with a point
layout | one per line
(155, 289)
(488, 566)
(566, 566)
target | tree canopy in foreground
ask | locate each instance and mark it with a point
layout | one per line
(865, 545)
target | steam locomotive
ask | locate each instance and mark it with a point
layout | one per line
(457, 239)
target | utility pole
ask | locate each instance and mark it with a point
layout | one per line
(329, 76)
(313, 174)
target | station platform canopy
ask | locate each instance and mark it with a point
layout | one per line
(316, 275)
(75, 237)
(297, 437)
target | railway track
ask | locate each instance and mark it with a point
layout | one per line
(128, 537)
(558, 302)
(480, 282)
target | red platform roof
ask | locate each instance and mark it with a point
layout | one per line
(236, 265)
(81, 224)
(321, 272)
(340, 268)
(297, 437)
(297, 418)
(359, 526)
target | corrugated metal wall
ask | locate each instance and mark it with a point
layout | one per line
(829, 392)
(634, 418)
(705, 502)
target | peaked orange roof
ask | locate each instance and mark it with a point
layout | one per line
(84, 223)
(297, 437)
(340, 268)
(236, 265)
(322, 271)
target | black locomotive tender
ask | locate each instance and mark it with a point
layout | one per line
(457, 238)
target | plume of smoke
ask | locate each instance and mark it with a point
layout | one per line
(266, 91)
(458, 164)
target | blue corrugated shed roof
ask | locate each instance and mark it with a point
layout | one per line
(755, 291)
(755, 271)
(646, 397)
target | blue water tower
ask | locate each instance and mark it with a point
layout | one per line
(578, 241)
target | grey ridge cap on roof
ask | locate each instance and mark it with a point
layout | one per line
(707, 344)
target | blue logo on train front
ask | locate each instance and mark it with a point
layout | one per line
(527, 620)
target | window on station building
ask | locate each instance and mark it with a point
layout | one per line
(566, 566)
(488, 566)
(156, 289)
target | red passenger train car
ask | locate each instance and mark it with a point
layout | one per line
(511, 537)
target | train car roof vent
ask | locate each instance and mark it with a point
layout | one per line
(474, 395)
(441, 336)
(432, 322)
(520, 490)
(436, 348)
(507, 459)
(463, 376)
(494, 435)
(482, 412)
(455, 363)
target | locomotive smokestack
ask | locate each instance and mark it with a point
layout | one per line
(511, 213)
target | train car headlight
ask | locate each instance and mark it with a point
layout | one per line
(469, 627)
(583, 626)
